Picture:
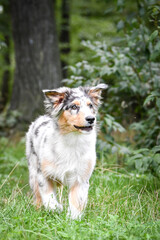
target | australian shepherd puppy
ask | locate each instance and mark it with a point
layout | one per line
(60, 147)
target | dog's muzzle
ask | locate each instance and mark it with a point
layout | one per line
(84, 128)
(88, 126)
(90, 119)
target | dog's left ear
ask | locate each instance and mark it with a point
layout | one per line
(95, 92)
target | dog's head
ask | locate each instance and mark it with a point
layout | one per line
(74, 108)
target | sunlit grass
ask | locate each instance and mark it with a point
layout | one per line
(121, 205)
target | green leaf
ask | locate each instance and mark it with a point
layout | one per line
(158, 102)
(150, 98)
(138, 164)
(157, 159)
(153, 35)
(120, 25)
(142, 150)
(156, 149)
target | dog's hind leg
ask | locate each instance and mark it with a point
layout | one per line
(33, 180)
(47, 189)
(33, 166)
(78, 199)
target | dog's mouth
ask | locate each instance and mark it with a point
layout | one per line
(85, 128)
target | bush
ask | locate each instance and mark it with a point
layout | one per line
(130, 66)
(145, 160)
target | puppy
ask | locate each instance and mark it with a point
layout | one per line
(60, 147)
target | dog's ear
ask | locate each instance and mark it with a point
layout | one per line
(54, 99)
(54, 96)
(95, 92)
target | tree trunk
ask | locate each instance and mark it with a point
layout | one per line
(65, 33)
(5, 28)
(36, 53)
(6, 77)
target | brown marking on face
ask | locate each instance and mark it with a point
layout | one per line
(88, 102)
(67, 121)
(76, 102)
(90, 105)
(74, 198)
(45, 165)
(38, 199)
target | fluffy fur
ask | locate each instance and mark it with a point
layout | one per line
(60, 147)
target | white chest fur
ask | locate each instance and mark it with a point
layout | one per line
(71, 157)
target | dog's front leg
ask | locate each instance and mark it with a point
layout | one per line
(78, 199)
(47, 189)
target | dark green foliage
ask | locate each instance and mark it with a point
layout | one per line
(130, 67)
(8, 121)
(5, 54)
(148, 129)
(145, 160)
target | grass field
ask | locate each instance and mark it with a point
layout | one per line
(121, 204)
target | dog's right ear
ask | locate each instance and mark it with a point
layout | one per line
(95, 92)
(56, 96)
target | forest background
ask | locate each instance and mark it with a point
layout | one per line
(46, 44)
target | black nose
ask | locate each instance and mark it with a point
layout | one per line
(90, 119)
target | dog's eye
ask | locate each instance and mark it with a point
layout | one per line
(90, 105)
(74, 107)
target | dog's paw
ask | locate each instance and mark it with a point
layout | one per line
(59, 207)
(54, 206)
(74, 214)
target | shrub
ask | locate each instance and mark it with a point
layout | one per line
(130, 66)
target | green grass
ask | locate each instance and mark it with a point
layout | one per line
(121, 205)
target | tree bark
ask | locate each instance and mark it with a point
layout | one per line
(5, 26)
(36, 53)
(65, 33)
(6, 78)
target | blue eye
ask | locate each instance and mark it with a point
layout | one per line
(90, 105)
(74, 107)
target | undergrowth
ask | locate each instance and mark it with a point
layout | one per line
(121, 204)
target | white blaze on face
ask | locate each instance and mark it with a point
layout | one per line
(74, 117)
(74, 109)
